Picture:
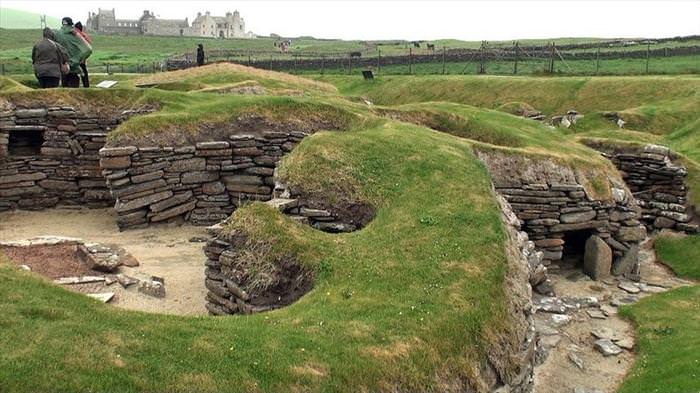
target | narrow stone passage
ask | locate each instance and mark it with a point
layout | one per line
(585, 347)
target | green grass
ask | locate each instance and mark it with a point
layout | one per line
(668, 326)
(668, 343)
(406, 303)
(17, 19)
(682, 254)
(673, 65)
(125, 52)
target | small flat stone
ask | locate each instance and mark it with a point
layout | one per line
(581, 389)
(629, 287)
(25, 267)
(605, 333)
(573, 357)
(608, 310)
(103, 297)
(551, 305)
(78, 280)
(126, 281)
(152, 288)
(626, 343)
(652, 288)
(596, 314)
(560, 320)
(618, 301)
(607, 347)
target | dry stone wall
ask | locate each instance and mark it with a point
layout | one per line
(658, 184)
(202, 184)
(552, 205)
(49, 156)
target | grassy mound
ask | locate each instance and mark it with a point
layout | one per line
(185, 118)
(659, 104)
(222, 75)
(8, 85)
(405, 304)
(682, 254)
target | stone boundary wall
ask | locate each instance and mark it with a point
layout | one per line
(549, 201)
(66, 170)
(202, 184)
(658, 184)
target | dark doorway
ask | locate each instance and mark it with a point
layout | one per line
(575, 247)
(25, 143)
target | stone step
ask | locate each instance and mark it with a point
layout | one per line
(283, 204)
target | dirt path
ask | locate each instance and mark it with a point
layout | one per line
(163, 251)
(569, 342)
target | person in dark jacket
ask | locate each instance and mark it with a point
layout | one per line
(48, 57)
(83, 64)
(200, 55)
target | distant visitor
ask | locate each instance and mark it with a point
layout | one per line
(200, 55)
(50, 60)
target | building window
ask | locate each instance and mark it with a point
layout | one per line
(25, 143)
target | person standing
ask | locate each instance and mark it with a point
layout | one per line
(78, 51)
(83, 64)
(200, 55)
(49, 60)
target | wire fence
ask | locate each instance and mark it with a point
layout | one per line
(516, 59)
(667, 56)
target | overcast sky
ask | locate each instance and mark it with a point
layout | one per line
(468, 20)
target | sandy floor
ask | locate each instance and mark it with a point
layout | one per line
(163, 251)
(558, 373)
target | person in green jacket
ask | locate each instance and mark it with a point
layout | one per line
(78, 51)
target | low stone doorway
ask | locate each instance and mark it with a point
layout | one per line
(575, 248)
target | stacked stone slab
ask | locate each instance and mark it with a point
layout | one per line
(202, 184)
(548, 200)
(658, 184)
(66, 171)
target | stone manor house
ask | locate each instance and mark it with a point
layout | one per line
(204, 25)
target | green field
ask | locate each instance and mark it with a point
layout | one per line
(146, 53)
(416, 297)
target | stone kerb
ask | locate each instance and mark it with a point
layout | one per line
(202, 184)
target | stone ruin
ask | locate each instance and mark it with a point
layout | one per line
(56, 155)
(657, 181)
(49, 156)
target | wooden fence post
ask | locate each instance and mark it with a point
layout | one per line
(443, 60)
(515, 66)
(648, 49)
(323, 64)
(551, 58)
(482, 68)
(410, 61)
(379, 60)
(597, 60)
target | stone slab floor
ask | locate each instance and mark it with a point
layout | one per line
(163, 251)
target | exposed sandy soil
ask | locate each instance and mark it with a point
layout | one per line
(558, 373)
(163, 251)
